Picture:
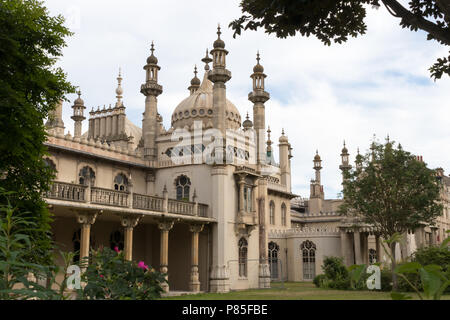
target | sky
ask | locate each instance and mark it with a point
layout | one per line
(376, 84)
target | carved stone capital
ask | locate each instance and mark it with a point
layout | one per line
(87, 217)
(165, 225)
(197, 227)
(130, 221)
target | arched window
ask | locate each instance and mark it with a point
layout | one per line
(49, 163)
(86, 175)
(283, 214)
(243, 249)
(272, 212)
(372, 256)
(121, 182)
(309, 260)
(183, 186)
(273, 259)
(116, 239)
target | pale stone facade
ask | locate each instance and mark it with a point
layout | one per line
(319, 231)
(199, 211)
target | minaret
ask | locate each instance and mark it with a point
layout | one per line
(195, 82)
(269, 154)
(219, 75)
(55, 121)
(258, 96)
(345, 163)
(358, 160)
(317, 194)
(151, 90)
(78, 115)
(285, 162)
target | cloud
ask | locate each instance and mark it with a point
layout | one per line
(374, 84)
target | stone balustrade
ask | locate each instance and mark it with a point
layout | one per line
(109, 197)
(66, 191)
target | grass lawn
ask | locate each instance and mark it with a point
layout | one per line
(292, 291)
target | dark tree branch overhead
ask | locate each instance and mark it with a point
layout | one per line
(337, 20)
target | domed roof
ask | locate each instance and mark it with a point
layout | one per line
(78, 101)
(199, 107)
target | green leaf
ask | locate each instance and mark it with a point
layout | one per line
(409, 267)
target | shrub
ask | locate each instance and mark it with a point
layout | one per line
(109, 276)
(386, 280)
(334, 268)
(319, 280)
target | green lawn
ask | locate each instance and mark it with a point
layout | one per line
(291, 291)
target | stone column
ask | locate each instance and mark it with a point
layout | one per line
(344, 248)
(433, 236)
(357, 241)
(86, 219)
(241, 195)
(366, 248)
(165, 226)
(129, 223)
(194, 284)
(264, 269)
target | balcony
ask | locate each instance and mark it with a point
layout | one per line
(108, 197)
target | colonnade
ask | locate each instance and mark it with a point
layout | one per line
(129, 222)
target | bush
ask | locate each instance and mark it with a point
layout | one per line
(319, 280)
(110, 276)
(334, 268)
(386, 280)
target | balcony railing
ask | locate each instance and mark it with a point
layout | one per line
(67, 191)
(109, 197)
(147, 202)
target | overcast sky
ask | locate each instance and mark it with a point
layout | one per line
(374, 84)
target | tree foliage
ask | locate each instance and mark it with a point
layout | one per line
(392, 190)
(30, 86)
(336, 21)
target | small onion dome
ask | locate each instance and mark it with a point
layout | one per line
(317, 157)
(195, 81)
(152, 59)
(283, 138)
(344, 149)
(258, 68)
(247, 124)
(78, 101)
(219, 43)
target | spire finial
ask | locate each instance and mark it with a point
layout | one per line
(218, 31)
(79, 93)
(247, 118)
(282, 131)
(195, 70)
(206, 60)
(344, 143)
(387, 138)
(257, 56)
(152, 48)
(119, 90)
(357, 150)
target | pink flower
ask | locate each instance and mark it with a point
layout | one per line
(142, 265)
(116, 249)
(101, 276)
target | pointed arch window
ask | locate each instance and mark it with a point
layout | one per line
(309, 260)
(86, 175)
(273, 259)
(243, 251)
(183, 187)
(272, 212)
(283, 214)
(121, 182)
(372, 256)
(50, 164)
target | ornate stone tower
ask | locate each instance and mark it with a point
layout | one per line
(345, 163)
(55, 121)
(285, 160)
(258, 96)
(151, 90)
(78, 115)
(219, 75)
(317, 194)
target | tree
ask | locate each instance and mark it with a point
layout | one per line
(331, 20)
(393, 191)
(30, 86)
